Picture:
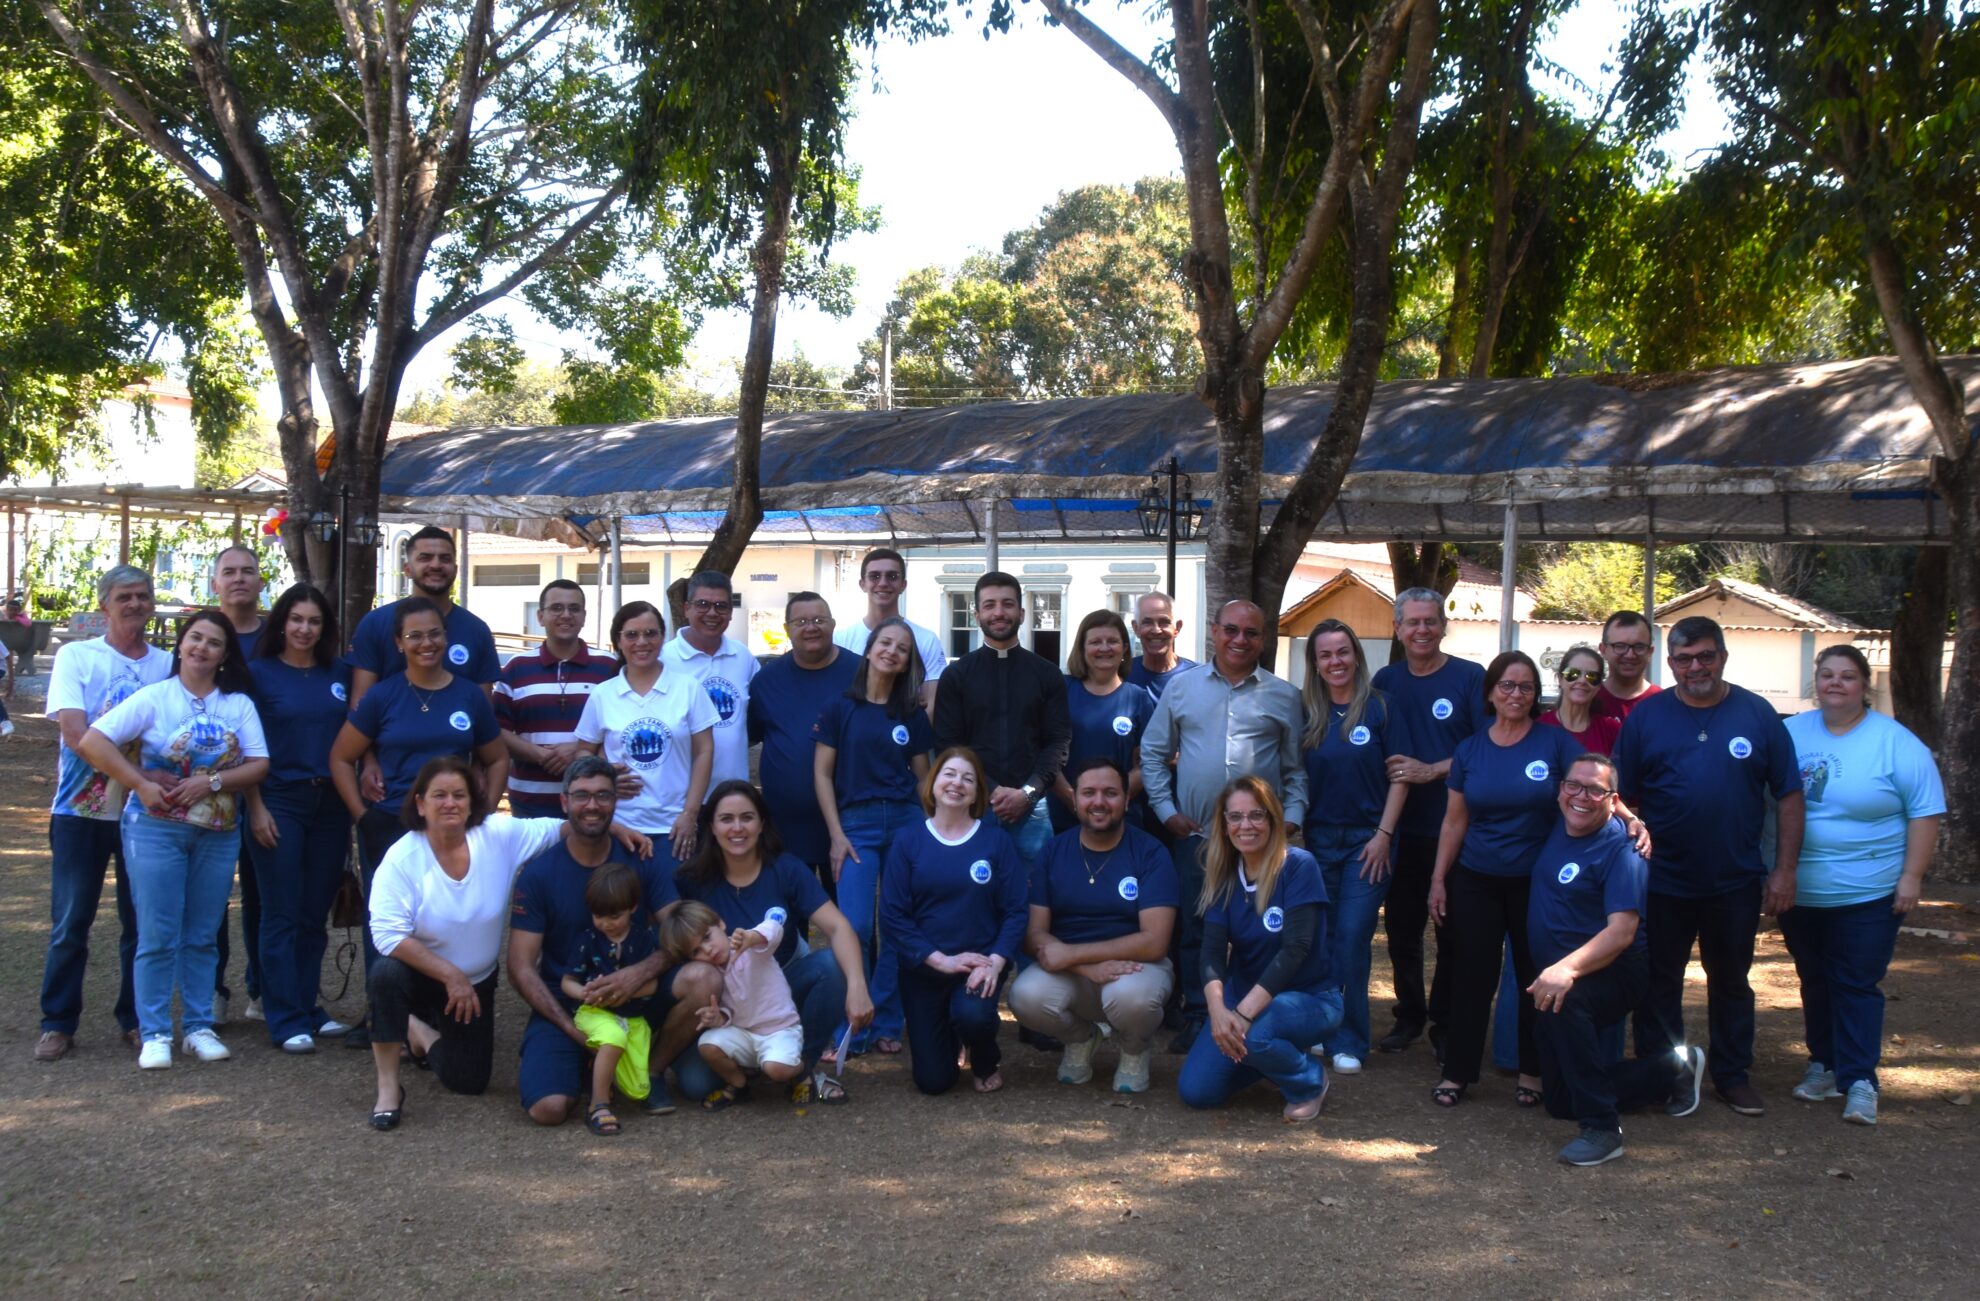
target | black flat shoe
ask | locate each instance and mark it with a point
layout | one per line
(384, 1121)
(1401, 1037)
(1044, 1043)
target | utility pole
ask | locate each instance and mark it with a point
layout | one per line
(887, 367)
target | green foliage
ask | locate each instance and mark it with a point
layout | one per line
(1592, 580)
(1089, 299)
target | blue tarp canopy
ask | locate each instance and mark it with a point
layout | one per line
(1834, 451)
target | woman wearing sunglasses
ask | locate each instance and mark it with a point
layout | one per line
(1580, 678)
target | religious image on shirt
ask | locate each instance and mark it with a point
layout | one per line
(95, 794)
(724, 695)
(205, 746)
(1816, 770)
(646, 742)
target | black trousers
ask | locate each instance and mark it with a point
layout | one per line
(1404, 914)
(943, 1016)
(464, 1055)
(1724, 926)
(1480, 912)
(1582, 1083)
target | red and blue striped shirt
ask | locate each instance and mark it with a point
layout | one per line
(540, 698)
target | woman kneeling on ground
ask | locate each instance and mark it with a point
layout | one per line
(439, 905)
(1265, 964)
(1103, 904)
(953, 907)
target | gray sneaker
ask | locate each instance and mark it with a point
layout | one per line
(1690, 1082)
(1818, 1084)
(1593, 1147)
(1860, 1108)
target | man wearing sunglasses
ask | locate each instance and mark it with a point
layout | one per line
(1628, 641)
(1584, 923)
(1697, 764)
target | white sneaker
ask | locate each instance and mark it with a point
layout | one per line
(1346, 1064)
(1131, 1075)
(1818, 1084)
(299, 1044)
(6, 727)
(253, 1012)
(1076, 1063)
(156, 1055)
(1860, 1107)
(206, 1046)
(332, 1028)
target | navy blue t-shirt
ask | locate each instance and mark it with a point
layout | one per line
(1255, 937)
(1511, 793)
(302, 710)
(1431, 715)
(785, 700)
(597, 956)
(1155, 683)
(1347, 782)
(875, 750)
(549, 901)
(1107, 726)
(470, 646)
(251, 641)
(1096, 897)
(1577, 883)
(785, 886)
(1704, 801)
(965, 898)
(408, 726)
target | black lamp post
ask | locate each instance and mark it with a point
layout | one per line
(343, 532)
(1175, 517)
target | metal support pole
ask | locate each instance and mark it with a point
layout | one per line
(1508, 570)
(344, 611)
(618, 567)
(11, 573)
(887, 368)
(1650, 601)
(123, 530)
(599, 634)
(1175, 472)
(990, 548)
(465, 579)
(237, 528)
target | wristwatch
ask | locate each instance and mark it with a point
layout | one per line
(1030, 791)
(213, 782)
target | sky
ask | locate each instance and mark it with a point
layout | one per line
(964, 140)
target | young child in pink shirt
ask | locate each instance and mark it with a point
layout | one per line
(754, 1025)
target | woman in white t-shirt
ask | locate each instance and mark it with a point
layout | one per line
(438, 906)
(657, 728)
(198, 746)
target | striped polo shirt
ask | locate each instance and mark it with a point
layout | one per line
(540, 698)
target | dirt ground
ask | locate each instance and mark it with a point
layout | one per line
(259, 1176)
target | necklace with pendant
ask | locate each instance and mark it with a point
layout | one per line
(1093, 870)
(426, 700)
(1704, 728)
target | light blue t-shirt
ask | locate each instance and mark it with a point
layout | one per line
(1863, 788)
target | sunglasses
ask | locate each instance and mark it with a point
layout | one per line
(1577, 675)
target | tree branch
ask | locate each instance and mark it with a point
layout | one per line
(1116, 56)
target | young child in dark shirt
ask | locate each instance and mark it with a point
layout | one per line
(619, 937)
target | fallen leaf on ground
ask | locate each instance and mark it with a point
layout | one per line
(1960, 1099)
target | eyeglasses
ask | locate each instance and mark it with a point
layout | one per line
(1583, 788)
(707, 607)
(553, 611)
(1578, 675)
(1507, 687)
(889, 577)
(1704, 659)
(1238, 633)
(590, 797)
(1628, 647)
(811, 621)
(1241, 817)
(437, 634)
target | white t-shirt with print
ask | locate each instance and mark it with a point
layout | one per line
(651, 735)
(95, 677)
(724, 677)
(184, 735)
(461, 921)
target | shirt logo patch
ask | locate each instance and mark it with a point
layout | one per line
(1739, 747)
(1815, 776)
(1442, 709)
(646, 742)
(205, 737)
(777, 915)
(1123, 725)
(725, 695)
(1537, 770)
(1275, 919)
(337, 690)
(979, 871)
(1568, 872)
(1360, 736)
(457, 655)
(900, 734)
(459, 721)
(1130, 889)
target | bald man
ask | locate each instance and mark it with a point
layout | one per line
(1219, 721)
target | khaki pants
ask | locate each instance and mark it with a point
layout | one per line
(1070, 1007)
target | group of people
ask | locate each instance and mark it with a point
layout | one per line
(1131, 844)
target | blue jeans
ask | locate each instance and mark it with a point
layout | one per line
(1030, 834)
(1357, 906)
(180, 878)
(1275, 1050)
(78, 850)
(871, 826)
(250, 922)
(943, 1016)
(818, 988)
(298, 880)
(1187, 946)
(1841, 955)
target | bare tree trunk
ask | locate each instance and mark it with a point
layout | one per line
(745, 510)
(1448, 347)
(1959, 728)
(1918, 644)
